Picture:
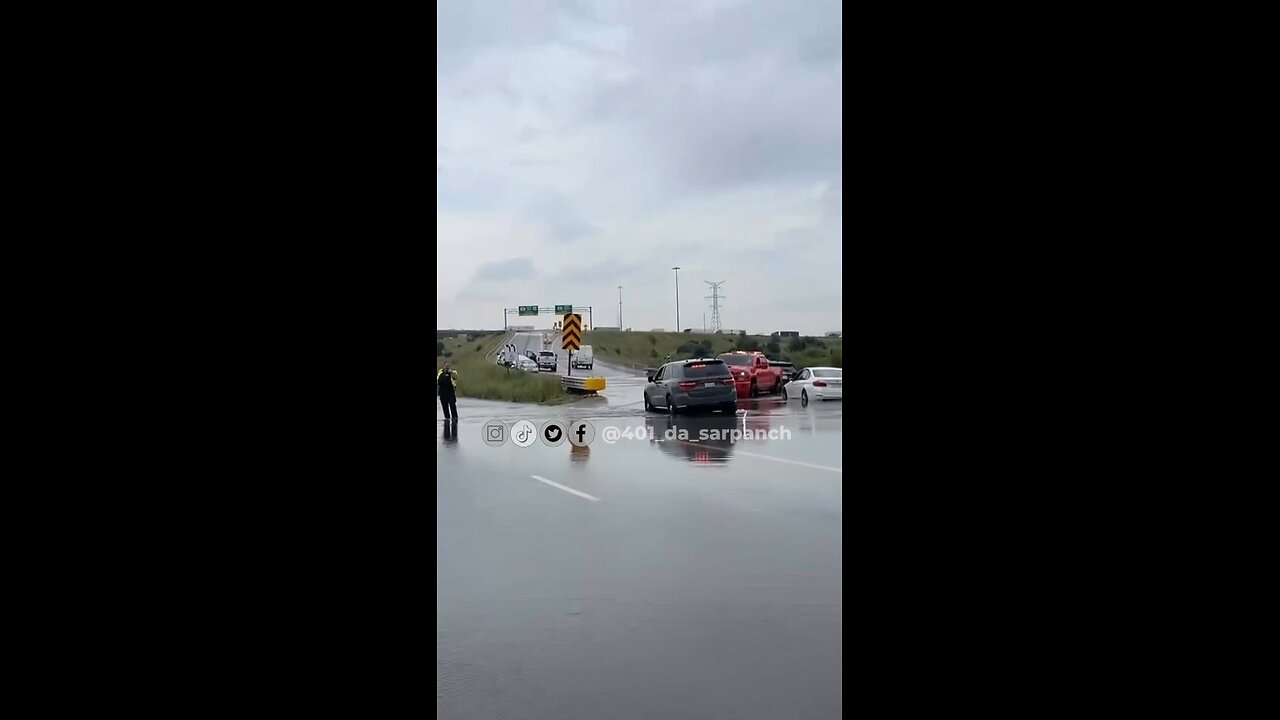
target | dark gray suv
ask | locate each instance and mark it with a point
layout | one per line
(690, 385)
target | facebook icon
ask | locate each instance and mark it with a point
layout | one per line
(581, 433)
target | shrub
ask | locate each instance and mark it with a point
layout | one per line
(773, 348)
(478, 348)
(797, 345)
(653, 352)
(653, 340)
(439, 348)
(695, 349)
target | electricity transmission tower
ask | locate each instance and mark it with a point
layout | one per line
(715, 297)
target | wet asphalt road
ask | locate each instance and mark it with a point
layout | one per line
(661, 578)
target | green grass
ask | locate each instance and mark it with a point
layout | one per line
(649, 349)
(479, 378)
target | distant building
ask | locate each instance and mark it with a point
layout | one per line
(602, 327)
(787, 333)
(835, 333)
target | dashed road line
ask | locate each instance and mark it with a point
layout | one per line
(555, 484)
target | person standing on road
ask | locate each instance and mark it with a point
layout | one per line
(447, 389)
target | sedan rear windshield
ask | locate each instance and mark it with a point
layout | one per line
(826, 373)
(737, 359)
(705, 370)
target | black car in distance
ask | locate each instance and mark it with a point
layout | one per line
(698, 384)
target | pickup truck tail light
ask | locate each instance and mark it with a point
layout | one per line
(687, 384)
(819, 383)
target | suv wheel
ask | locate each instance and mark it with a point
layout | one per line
(648, 406)
(671, 406)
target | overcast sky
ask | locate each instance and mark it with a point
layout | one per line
(585, 145)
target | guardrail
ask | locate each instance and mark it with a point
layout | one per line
(590, 384)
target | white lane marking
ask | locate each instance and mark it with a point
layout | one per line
(790, 462)
(555, 484)
(775, 459)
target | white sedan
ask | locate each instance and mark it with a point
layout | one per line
(818, 383)
(525, 364)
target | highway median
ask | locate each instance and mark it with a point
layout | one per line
(478, 377)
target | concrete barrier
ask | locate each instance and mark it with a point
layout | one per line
(591, 384)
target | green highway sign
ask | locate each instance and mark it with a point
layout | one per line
(562, 309)
(528, 310)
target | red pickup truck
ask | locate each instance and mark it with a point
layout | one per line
(751, 372)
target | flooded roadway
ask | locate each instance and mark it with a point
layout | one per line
(676, 572)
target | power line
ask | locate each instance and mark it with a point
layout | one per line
(715, 297)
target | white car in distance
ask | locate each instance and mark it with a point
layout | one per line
(816, 383)
(525, 364)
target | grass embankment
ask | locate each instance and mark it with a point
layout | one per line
(479, 378)
(649, 349)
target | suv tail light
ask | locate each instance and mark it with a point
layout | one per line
(687, 384)
(727, 381)
(819, 383)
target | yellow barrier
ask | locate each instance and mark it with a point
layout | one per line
(582, 384)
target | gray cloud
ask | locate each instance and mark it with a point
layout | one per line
(493, 282)
(612, 139)
(505, 269)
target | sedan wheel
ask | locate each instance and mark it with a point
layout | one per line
(648, 406)
(804, 397)
(784, 394)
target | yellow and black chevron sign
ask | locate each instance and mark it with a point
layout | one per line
(572, 331)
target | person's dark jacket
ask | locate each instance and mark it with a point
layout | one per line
(446, 384)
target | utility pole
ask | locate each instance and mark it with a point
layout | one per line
(620, 326)
(715, 297)
(677, 269)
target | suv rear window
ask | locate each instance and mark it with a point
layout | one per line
(737, 359)
(704, 369)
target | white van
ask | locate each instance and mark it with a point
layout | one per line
(583, 358)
